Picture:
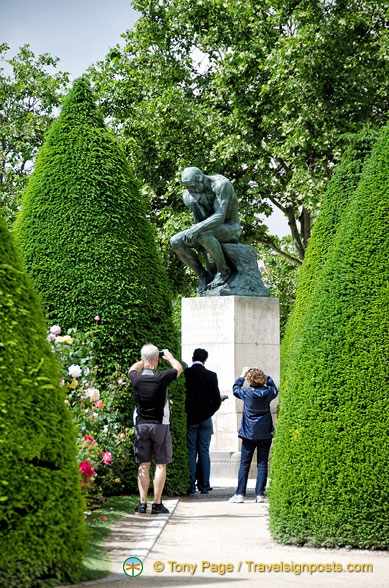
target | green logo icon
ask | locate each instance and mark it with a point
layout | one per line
(133, 566)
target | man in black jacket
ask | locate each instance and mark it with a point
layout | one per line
(202, 401)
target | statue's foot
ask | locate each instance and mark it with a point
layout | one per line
(220, 279)
(205, 279)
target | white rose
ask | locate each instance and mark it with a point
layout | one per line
(93, 394)
(74, 371)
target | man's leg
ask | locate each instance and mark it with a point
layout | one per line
(143, 480)
(191, 441)
(159, 481)
(204, 463)
(162, 444)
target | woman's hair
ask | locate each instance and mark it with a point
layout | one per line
(256, 377)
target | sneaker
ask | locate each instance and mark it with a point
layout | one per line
(236, 498)
(159, 509)
(142, 507)
(260, 498)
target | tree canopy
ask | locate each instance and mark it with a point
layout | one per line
(30, 92)
(262, 92)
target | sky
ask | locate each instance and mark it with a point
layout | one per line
(79, 32)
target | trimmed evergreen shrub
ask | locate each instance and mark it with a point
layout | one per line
(330, 472)
(41, 507)
(90, 250)
(340, 189)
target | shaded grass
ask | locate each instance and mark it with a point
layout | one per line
(96, 561)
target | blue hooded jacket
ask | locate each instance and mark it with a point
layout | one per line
(257, 422)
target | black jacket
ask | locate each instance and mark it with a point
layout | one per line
(202, 394)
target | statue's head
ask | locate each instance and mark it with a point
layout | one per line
(192, 177)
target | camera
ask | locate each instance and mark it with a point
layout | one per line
(161, 353)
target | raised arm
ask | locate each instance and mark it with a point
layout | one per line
(138, 366)
(173, 362)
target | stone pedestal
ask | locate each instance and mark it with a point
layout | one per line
(236, 331)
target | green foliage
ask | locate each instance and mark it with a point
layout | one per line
(104, 433)
(331, 452)
(339, 192)
(41, 508)
(99, 524)
(90, 249)
(28, 99)
(280, 275)
(261, 92)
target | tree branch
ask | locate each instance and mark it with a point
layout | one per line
(294, 230)
(273, 246)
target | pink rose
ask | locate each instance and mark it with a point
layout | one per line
(86, 469)
(97, 318)
(99, 404)
(120, 382)
(90, 439)
(107, 457)
(55, 329)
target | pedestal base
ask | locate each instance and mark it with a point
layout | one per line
(236, 331)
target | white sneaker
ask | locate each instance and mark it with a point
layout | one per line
(236, 498)
(260, 498)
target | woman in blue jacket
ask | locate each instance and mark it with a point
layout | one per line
(256, 429)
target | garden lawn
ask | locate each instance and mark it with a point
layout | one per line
(96, 562)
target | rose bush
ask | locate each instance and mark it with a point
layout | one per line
(104, 436)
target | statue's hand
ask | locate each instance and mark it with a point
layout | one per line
(191, 237)
(193, 198)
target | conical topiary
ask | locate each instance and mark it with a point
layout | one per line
(85, 239)
(330, 462)
(90, 250)
(41, 507)
(339, 192)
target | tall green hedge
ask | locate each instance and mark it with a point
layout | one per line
(331, 453)
(41, 507)
(339, 192)
(90, 250)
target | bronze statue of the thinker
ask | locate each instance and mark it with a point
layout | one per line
(214, 205)
(229, 268)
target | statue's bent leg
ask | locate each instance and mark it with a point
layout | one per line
(189, 257)
(214, 250)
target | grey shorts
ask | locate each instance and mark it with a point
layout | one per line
(153, 440)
